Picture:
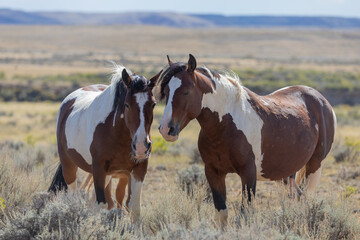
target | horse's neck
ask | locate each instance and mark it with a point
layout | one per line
(227, 100)
(113, 118)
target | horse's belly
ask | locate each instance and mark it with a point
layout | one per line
(281, 161)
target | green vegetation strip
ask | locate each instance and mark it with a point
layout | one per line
(55, 88)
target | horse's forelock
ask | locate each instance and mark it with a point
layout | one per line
(167, 74)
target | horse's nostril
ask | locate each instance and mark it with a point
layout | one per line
(147, 144)
(171, 130)
(159, 127)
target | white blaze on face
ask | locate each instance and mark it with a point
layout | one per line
(174, 84)
(135, 197)
(140, 135)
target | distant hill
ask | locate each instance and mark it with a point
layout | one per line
(8, 16)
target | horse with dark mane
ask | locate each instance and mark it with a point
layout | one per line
(104, 130)
(258, 137)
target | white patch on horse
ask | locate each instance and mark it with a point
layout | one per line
(174, 84)
(264, 102)
(313, 180)
(89, 110)
(140, 134)
(335, 121)
(281, 89)
(135, 196)
(225, 101)
(114, 118)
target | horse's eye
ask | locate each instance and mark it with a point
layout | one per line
(186, 93)
(127, 106)
(154, 104)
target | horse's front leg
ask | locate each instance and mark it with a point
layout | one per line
(216, 181)
(99, 175)
(248, 181)
(135, 185)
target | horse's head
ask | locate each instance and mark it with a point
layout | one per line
(183, 87)
(138, 105)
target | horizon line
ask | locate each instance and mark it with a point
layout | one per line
(184, 13)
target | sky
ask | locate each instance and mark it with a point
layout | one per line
(345, 8)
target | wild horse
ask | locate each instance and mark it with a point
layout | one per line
(104, 130)
(258, 137)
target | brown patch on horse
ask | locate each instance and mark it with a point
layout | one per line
(111, 147)
(95, 88)
(289, 140)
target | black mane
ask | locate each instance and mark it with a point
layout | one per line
(138, 84)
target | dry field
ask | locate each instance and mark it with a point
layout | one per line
(40, 50)
(28, 155)
(28, 160)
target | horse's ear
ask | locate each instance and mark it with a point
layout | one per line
(169, 60)
(126, 78)
(191, 64)
(154, 80)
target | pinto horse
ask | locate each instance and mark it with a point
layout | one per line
(104, 130)
(258, 137)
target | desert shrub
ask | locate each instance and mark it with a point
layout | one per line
(193, 177)
(309, 219)
(68, 216)
(15, 187)
(2, 76)
(348, 151)
(348, 173)
(186, 147)
(177, 208)
(28, 156)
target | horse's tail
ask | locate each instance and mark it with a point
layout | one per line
(58, 183)
(300, 175)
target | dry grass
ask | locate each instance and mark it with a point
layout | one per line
(168, 212)
(51, 50)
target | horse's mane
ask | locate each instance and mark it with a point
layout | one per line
(214, 76)
(118, 88)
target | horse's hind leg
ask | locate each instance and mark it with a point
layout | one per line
(69, 172)
(120, 191)
(313, 174)
(309, 176)
(108, 197)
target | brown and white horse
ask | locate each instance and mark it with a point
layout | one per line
(104, 130)
(258, 137)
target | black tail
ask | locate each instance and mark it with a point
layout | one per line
(58, 182)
